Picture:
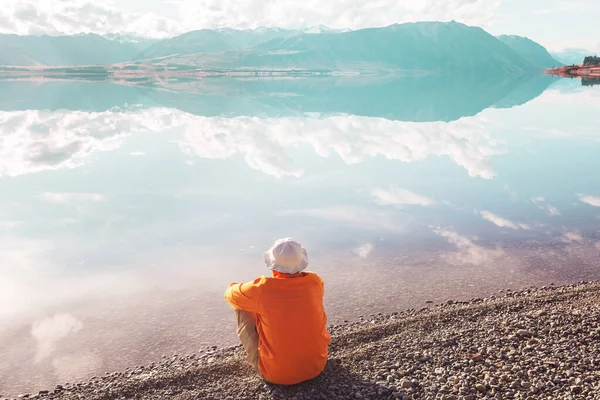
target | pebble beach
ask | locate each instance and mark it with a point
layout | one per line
(539, 343)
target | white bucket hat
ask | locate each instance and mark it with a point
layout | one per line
(286, 256)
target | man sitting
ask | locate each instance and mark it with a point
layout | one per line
(281, 319)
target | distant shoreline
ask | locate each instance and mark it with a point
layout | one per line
(538, 342)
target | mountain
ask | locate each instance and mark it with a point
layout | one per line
(530, 50)
(572, 56)
(416, 48)
(209, 41)
(218, 40)
(66, 50)
(421, 46)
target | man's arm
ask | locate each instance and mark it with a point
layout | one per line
(245, 296)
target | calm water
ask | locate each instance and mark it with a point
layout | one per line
(125, 212)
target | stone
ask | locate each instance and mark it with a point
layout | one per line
(524, 333)
(480, 388)
(405, 384)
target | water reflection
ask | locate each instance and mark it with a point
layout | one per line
(415, 98)
(50, 330)
(41, 140)
(119, 228)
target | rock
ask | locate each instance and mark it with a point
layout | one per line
(405, 384)
(480, 388)
(524, 333)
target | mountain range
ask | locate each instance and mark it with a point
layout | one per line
(421, 46)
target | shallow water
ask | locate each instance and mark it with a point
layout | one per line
(126, 211)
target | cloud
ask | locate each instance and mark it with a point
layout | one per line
(54, 17)
(53, 197)
(571, 237)
(469, 253)
(105, 16)
(262, 141)
(396, 196)
(561, 9)
(49, 331)
(364, 250)
(33, 141)
(357, 217)
(502, 222)
(553, 211)
(591, 200)
(334, 13)
(541, 203)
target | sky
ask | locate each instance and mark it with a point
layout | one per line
(556, 24)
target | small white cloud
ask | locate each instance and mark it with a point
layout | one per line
(53, 197)
(396, 196)
(571, 237)
(49, 331)
(360, 217)
(364, 250)
(541, 203)
(553, 210)
(468, 253)
(502, 222)
(137, 153)
(591, 200)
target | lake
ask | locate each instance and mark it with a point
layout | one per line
(127, 210)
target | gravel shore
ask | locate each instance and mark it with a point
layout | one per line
(535, 344)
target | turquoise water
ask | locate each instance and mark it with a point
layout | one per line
(126, 211)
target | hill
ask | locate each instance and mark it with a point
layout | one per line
(66, 50)
(530, 50)
(422, 46)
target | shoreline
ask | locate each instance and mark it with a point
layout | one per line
(536, 342)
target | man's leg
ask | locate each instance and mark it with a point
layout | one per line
(248, 335)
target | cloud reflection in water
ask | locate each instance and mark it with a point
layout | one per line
(34, 141)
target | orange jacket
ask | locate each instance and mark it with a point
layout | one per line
(291, 324)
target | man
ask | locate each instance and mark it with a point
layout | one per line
(281, 319)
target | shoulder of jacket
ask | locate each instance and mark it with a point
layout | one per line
(315, 276)
(260, 280)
